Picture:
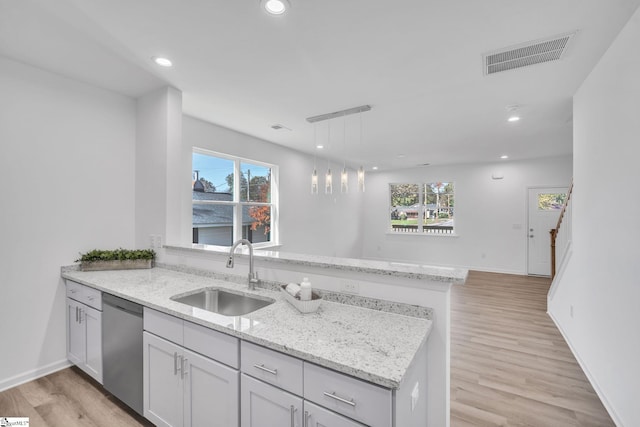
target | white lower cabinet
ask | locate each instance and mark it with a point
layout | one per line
(183, 388)
(263, 405)
(317, 416)
(84, 336)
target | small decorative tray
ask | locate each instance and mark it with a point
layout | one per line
(302, 306)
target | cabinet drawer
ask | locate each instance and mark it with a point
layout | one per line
(272, 367)
(317, 416)
(92, 297)
(213, 344)
(163, 325)
(357, 399)
(84, 294)
(74, 290)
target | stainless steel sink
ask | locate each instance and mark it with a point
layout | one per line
(223, 302)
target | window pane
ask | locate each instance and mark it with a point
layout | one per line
(255, 183)
(438, 208)
(212, 174)
(213, 224)
(405, 199)
(551, 202)
(256, 223)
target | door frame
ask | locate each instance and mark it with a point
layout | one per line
(527, 190)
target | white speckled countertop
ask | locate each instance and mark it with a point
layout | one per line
(373, 345)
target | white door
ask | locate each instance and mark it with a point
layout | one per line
(317, 416)
(76, 344)
(263, 405)
(544, 209)
(162, 381)
(92, 319)
(212, 393)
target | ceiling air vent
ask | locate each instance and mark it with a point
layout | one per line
(526, 54)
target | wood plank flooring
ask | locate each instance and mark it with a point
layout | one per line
(509, 367)
(67, 398)
(509, 364)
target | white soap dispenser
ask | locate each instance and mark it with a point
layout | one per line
(305, 290)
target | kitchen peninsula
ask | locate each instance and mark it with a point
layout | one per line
(365, 334)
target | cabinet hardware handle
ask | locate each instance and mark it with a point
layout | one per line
(340, 399)
(184, 371)
(293, 417)
(262, 368)
(306, 419)
(175, 363)
(76, 314)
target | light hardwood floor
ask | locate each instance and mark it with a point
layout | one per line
(509, 367)
(509, 364)
(67, 398)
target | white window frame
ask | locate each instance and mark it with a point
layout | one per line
(421, 208)
(238, 205)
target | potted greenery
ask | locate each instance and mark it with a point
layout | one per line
(118, 259)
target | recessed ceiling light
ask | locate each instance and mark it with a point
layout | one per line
(375, 168)
(319, 146)
(513, 119)
(163, 62)
(504, 157)
(275, 7)
(400, 156)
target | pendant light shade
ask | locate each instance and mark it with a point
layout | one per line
(328, 185)
(344, 181)
(314, 181)
(361, 179)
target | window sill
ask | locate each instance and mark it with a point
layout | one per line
(396, 233)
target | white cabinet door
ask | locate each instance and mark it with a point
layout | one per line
(317, 416)
(162, 381)
(211, 393)
(76, 344)
(92, 323)
(263, 405)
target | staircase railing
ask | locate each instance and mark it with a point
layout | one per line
(561, 235)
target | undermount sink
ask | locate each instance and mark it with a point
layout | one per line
(223, 302)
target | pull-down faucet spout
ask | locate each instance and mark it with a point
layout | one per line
(253, 276)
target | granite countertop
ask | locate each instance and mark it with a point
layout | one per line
(372, 345)
(386, 268)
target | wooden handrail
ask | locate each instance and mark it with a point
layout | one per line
(554, 231)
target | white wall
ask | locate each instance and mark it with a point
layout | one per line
(162, 205)
(67, 185)
(320, 224)
(487, 214)
(602, 279)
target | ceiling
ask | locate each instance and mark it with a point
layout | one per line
(418, 63)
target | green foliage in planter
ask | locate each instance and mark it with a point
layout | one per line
(116, 255)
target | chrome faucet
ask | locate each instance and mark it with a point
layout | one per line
(253, 276)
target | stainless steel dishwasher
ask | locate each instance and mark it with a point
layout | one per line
(122, 350)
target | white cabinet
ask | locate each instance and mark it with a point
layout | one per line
(317, 416)
(263, 405)
(162, 384)
(84, 329)
(182, 387)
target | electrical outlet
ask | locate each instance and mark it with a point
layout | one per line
(349, 287)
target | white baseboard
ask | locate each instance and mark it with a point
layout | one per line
(592, 380)
(34, 374)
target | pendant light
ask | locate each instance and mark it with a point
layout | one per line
(314, 175)
(361, 168)
(344, 177)
(328, 180)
